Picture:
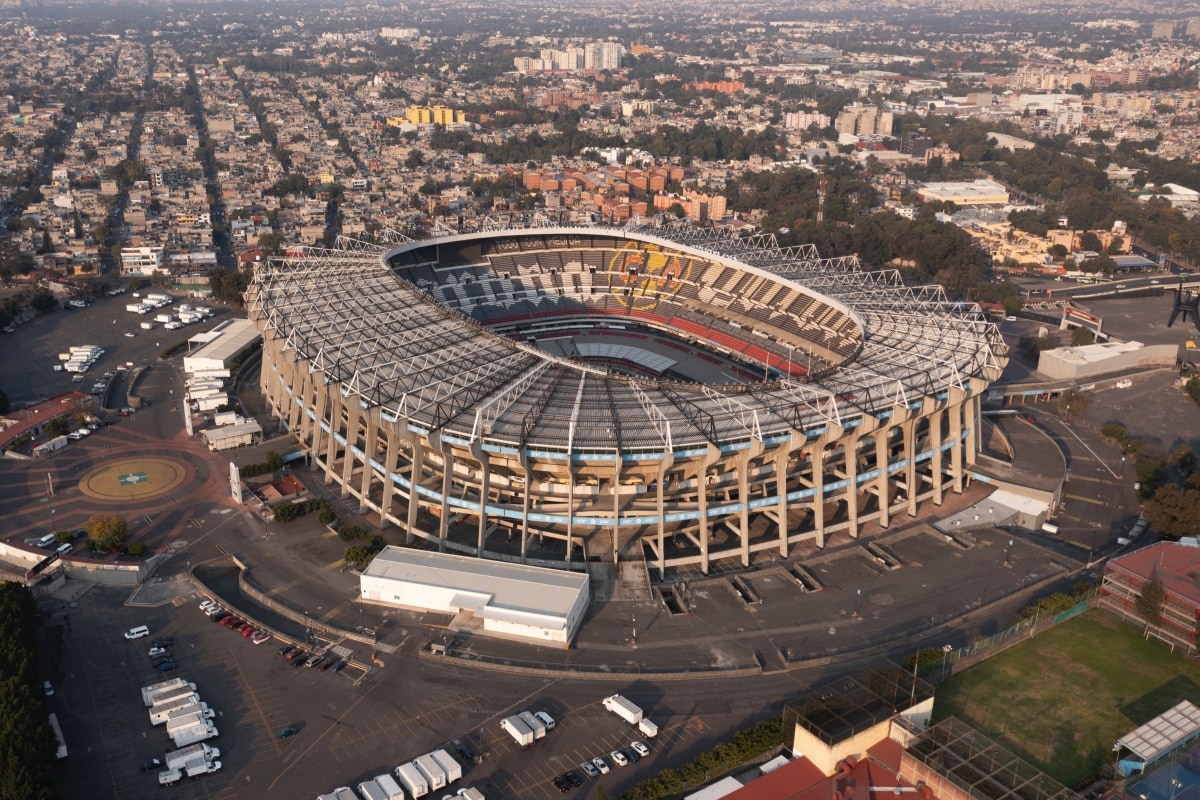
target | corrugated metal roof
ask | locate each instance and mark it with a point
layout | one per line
(1163, 732)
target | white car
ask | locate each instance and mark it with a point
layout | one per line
(207, 605)
(130, 334)
(155, 652)
(619, 758)
(546, 719)
(47, 688)
(601, 765)
(640, 748)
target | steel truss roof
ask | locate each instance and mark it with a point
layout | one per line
(347, 314)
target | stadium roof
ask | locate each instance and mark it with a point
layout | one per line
(874, 343)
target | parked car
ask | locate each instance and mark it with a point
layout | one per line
(249, 630)
(287, 648)
(151, 763)
(137, 633)
(155, 652)
(324, 665)
(601, 765)
(290, 730)
(205, 605)
(166, 667)
(467, 753)
(632, 755)
(339, 666)
(313, 660)
(260, 637)
(619, 758)
(297, 654)
(163, 641)
(641, 749)
(47, 688)
(562, 784)
(546, 719)
(574, 778)
(221, 616)
(590, 769)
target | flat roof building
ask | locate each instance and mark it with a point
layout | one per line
(965, 193)
(221, 346)
(534, 603)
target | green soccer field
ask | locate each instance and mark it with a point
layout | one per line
(1061, 699)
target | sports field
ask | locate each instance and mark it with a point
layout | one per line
(1061, 699)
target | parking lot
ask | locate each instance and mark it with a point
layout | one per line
(350, 726)
(29, 353)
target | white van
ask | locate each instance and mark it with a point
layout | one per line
(137, 633)
(63, 549)
(47, 540)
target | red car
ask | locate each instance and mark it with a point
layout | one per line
(231, 622)
(249, 631)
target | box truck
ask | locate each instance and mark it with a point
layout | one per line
(340, 793)
(518, 730)
(413, 780)
(370, 791)
(155, 690)
(178, 759)
(196, 732)
(451, 767)
(161, 713)
(648, 728)
(432, 772)
(391, 789)
(534, 724)
(623, 709)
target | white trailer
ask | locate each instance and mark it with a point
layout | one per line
(161, 713)
(211, 403)
(177, 759)
(340, 793)
(370, 791)
(623, 709)
(471, 793)
(154, 690)
(170, 776)
(197, 732)
(391, 789)
(432, 772)
(451, 767)
(182, 717)
(51, 446)
(172, 694)
(163, 318)
(534, 724)
(518, 730)
(413, 780)
(136, 308)
(158, 298)
(648, 728)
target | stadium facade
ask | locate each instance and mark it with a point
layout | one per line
(663, 392)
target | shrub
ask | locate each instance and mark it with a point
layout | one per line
(746, 745)
(137, 548)
(291, 511)
(348, 533)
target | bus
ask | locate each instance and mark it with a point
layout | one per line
(62, 743)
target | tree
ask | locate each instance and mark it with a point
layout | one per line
(1072, 404)
(137, 548)
(1090, 241)
(1174, 511)
(1150, 601)
(1081, 336)
(415, 160)
(107, 531)
(1058, 251)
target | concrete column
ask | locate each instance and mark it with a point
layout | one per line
(371, 420)
(743, 477)
(389, 468)
(616, 510)
(485, 488)
(447, 487)
(910, 470)
(414, 479)
(973, 408)
(818, 483)
(935, 441)
(882, 483)
(664, 466)
(781, 476)
(956, 454)
(353, 415)
(319, 441)
(335, 424)
(702, 502)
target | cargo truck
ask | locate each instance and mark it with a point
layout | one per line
(197, 732)
(534, 724)
(154, 690)
(135, 308)
(340, 793)
(183, 717)
(448, 764)
(391, 789)
(413, 780)
(202, 768)
(370, 791)
(648, 728)
(160, 713)
(518, 730)
(170, 776)
(171, 695)
(163, 318)
(178, 759)
(471, 793)
(623, 709)
(432, 772)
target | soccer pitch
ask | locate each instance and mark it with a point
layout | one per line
(1061, 699)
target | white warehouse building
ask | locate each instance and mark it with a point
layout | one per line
(531, 603)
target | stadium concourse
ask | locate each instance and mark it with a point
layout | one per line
(660, 392)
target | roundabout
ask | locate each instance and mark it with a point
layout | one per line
(134, 479)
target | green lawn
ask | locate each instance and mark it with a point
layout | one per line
(1061, 699)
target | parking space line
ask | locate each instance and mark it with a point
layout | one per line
(331, 565)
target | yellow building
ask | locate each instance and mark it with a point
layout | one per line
(438, 115)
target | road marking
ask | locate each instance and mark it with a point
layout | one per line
(331, 565)
(1090, 450)
(335, 610)
(282, 588)
(1086, 500)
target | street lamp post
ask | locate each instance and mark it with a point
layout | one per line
(1006, 551)
(857, 600)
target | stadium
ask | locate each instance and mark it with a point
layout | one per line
(658, 392)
